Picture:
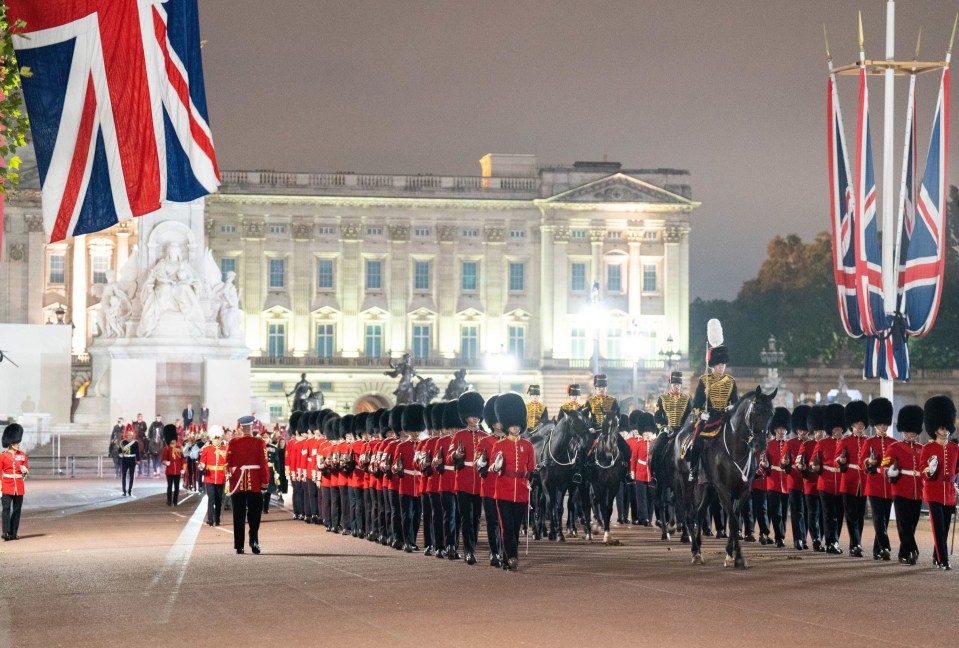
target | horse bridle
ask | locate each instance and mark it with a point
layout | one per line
(744, 471)
(549, 450)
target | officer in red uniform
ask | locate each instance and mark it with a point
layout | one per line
(14, 466)
(639, 464)
(780, 463)
(420, 460)
(451, 524)
(374, 468)
(290, 461)
(852, 485)
(794, 477)
(172, 460)
(878, 489)
(311, 492)
(513, 463)
(412, 423)
(212, 464)
(494, 536)
(358, 476)
(901, 465)
(756, 511)
(816, 425)
(824, 464)
(939, 464)
(462, 456)
(431, 466)
(391, 480)
(249, 477)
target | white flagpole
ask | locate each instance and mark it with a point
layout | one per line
(888, 223)
(906, 163)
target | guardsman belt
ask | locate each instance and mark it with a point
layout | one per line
(412, 473)
(514, 474)
(777, 468)
(641, 462)
(16, 476)
(830, 469)
(910, 473)
(854, 466)
(215, 467)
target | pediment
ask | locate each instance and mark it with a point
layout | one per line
(325, 304)
(619, 188)
(277, 302)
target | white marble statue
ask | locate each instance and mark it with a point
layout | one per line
(115, 308)
(171, 286)
(228, 313)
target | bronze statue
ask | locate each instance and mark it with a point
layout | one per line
(302, 392)
(457, 386)
(405, 392)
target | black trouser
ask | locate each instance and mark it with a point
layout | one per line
(814, 516)
(374, 510)
(641, 513)
(436, 503)
(345, 510)
(383, 517)
(717, 514)
(214, 503)
(266, 500)
(127, 469)
(426, 512)
(396, 515)
(326, 505)
(297, 499)
(907, 518)
(312, 508)
(622, 503)
(173, 488)
(410, 505)
(470, 510)
(797, 515)
(358, 509)
(832, 512)
(880, 523)
(778, 503)
(450, 520)
(116, 467)
(940, 516)
(855, 506)
(11, 514)
(511, 517)
(755, 511)
(247, 507)
(493, 531)
(335, 510)
(369, 498)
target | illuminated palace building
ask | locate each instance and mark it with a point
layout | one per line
(520, 275)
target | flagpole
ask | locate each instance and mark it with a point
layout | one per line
(908, 156)
(888, 222)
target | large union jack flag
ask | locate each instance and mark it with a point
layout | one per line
(117, 108)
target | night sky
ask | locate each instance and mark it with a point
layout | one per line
(733, 90)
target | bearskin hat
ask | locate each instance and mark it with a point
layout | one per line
(371, 422)
(600, 380)
(635, 418)
(573, 390)
(880, 411)
(428, 415)
(451, 416)
(716, 351)
(414, 418)
(800, 418)
(624, 423)
(436, 416)
(910, 419)
(857, 412)
(780, 419)
(834, 417)
(470, 403)
(939, 412)
(303, 423)
(489, 412)
(533, 390)
(12, 434)
(315, 420)
(817, 418)
(169, 433)
(382, 419)
(648, 423)
(359, 424)
(511, 411)
(293, 420)
(329, 427)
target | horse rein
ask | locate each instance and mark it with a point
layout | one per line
(549, 450)
(744, 471)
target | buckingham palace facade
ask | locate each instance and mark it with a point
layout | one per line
(520, 274)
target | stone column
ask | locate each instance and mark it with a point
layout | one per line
(400, 288)
(78, 296)
(671, 281)
(447, 272)
(560, 299)
(124, 230)
(350, 286)
(546, 297)
(596, 238)
(303, 269)
(497, 286)
(682, 337)
(36, 268)
(634, 277)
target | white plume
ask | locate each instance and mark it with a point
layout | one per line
(714, 332)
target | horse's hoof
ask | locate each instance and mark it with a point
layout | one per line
(606, 538)
(698, 560)
(671, 528)
(741, 563)
(728, 561)
(561, 539)
(665, 537)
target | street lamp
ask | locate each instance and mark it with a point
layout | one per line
(771, 355)
(500, 363)
(669, 356)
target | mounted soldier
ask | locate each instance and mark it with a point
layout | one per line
(573, 403)
(535, 409)
(600, 405)
(673, 407)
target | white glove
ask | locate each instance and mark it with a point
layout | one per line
(933, 465)
(892, 471)
(23, 470)
(166, 463)
(481, 461)
(704, 416)
(498, 462)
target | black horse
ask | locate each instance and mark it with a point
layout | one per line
(663, 471)
(537, 437)
(730, 461)
(559, 457)
(607, 467)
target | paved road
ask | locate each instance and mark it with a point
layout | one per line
(96, 569)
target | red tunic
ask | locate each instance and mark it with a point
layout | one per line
(172, 458)
(488, 487)
(877, 484)
(246, 465)
(794, 478)
(356, 477)
(390, 481)
(466, 479)
(448, 476)
(906, 457)
(826, 451)
(291, 457)
(11, 477)
(851, 482)
(365, 477)
(512, 484)
(810, 479)
(419, 448)
(214, 462)
(759, 481)
(407, 481)
(639, 459)
(311, 445)
(376, 477)
(776, 475)
(433, 480)
(941, 486)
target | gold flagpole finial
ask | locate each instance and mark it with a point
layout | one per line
(826, 37)
(953, 37)
(860, 33)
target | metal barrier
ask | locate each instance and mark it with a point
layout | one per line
(71, 466)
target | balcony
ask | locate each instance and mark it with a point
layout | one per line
(337, 362)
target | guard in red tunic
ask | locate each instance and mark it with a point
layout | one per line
(249, 477)
(421, 450)
(14, 466)
(513, 463)
(852, 483)
(645, 424)
(878, 489)
(358, 476)
(375, 469)
(172, 459)
(816, 425)
(794, 478)
(462, 456)
(901, 465)
(939, 462)
(430, 467)
(780, 463)
(311, 492)
(212, 464)
(494, 536)
(756, 510)
(824, 464)
(291, 461)
(451, 525)
(412, 423)
(391, 481)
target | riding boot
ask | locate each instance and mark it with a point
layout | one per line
(692, 460)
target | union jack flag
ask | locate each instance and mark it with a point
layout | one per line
(117, 108)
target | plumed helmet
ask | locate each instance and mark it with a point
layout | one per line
(294, 419)
(817, 418)
(436, 416)
(12, 434)
(470, 403)
(511, 411)
(169, 433)
(635, 417)
(648, 423)
(834, 417)
(880, 411)
(939, 412)
(489, 412)
(800, 418)
(857, 412)
(573, 390)
(414, 418)
(910, 419)
(396, 418)
(780, 419)
(533, 390)
(451, 416)
(716, 351)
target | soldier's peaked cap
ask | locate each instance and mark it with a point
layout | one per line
(414, 418)
(470, 403)
(451, 416)
(880, 411)
(511, 411)
(939, 412)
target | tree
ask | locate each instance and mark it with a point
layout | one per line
(13, 119)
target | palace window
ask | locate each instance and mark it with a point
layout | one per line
(325, 229)
(228, 229)
(517, 234)
(421, 275)
(614, 234)
(100, 264)
(277, 229)
(578, 277)
(374, 231)
(517, 341)
(227, 264)
(649, 277)
(324, 340)
(470, 233)
(614, 278)
(374, 279)
(324, 273)
(276, 339)
(374, 340)
(421, 341)
(276, 412)
(614, 344)
(516, 277)
(469, 275)
(578, 234)
(422, 231)
(577, 344)
(56, 269)
(650, 235)
(277, 273)
(469, 341)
